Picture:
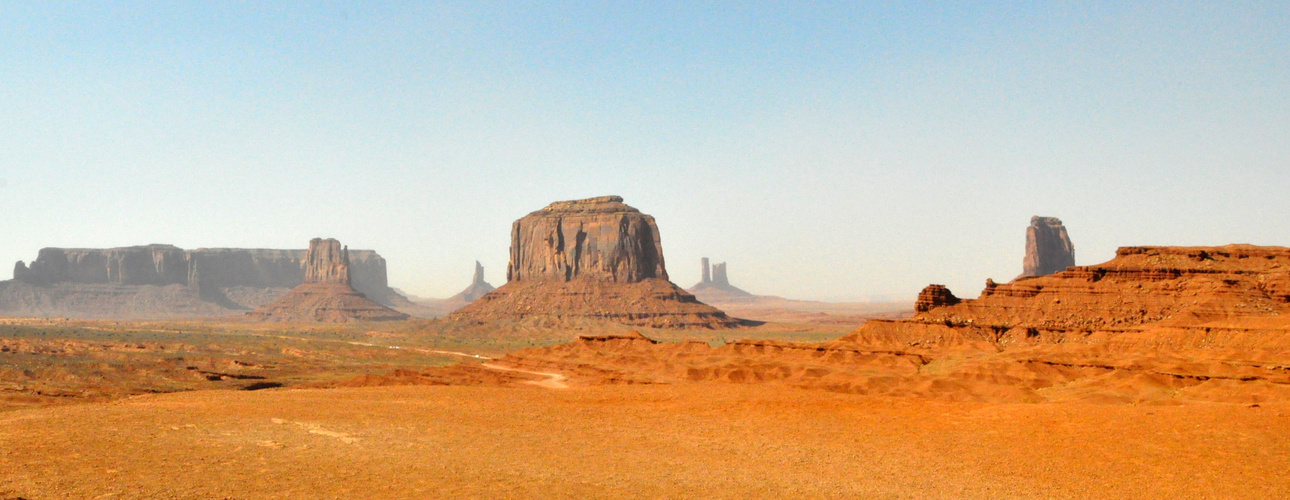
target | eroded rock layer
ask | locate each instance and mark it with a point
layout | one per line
(1048, 247)
(1153, 325)
(601, 239)
(166, 281)
(325, 302)
(590, 259)
(934, 296)
(654, 303)
(326, 294)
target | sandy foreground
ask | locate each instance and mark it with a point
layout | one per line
(705, 440)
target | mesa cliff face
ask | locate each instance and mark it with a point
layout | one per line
(326, 294)
(207, 281)
(596, 238)
(593, 259)
(1048, 247)
(327, 262)
(141, 265)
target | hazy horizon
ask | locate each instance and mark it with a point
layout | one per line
(835, 152)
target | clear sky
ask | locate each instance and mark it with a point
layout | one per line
(824, 150)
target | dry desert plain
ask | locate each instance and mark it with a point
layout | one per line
(1178, 391)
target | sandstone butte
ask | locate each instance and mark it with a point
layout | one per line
(1048, 247)
(595, 258)
(326, 294)
(715, 285)
(1153, 325)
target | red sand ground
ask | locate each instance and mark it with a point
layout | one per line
(705, 440)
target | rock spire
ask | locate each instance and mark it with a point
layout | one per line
(478, 287)
(1048, 247)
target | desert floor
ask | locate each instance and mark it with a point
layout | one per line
(700, 440)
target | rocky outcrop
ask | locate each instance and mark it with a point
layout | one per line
(719, 274)
(1048, 247)
(1155, 325)
(231, 279)
(478, 287)
(595, 259)
(140, 265)
(716, 287)
(601, 239)
(327, 262)
(934, 296)
(326, 294)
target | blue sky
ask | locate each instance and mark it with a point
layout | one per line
(825, 151)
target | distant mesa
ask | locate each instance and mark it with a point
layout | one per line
(715, 285)
(478, 287)
(1048, 248)
(595, 258)
(326, 294)
(164, 281)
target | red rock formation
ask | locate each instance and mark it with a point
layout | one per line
(326, 294)
(141, 265)
(478, 287)
(596, 259)
(1048, 247)
(327, 262)
(934, 296)
(1154, 325)
(719, 274)
(114, 282)
(596, 238)
(716, 286)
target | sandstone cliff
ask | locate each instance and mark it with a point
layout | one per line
(140, 265)
(326, 294)
(596, 238)
(327, 262)
(75, 282)
(1155, 325)
(1048, 247)
(596, 259)
(934, 296)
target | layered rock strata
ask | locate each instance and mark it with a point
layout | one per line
(596, 259)
(1048, 247)
(934, 296)
(601, 239)
(326, 294)
(113, 282)
(1155, 325)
